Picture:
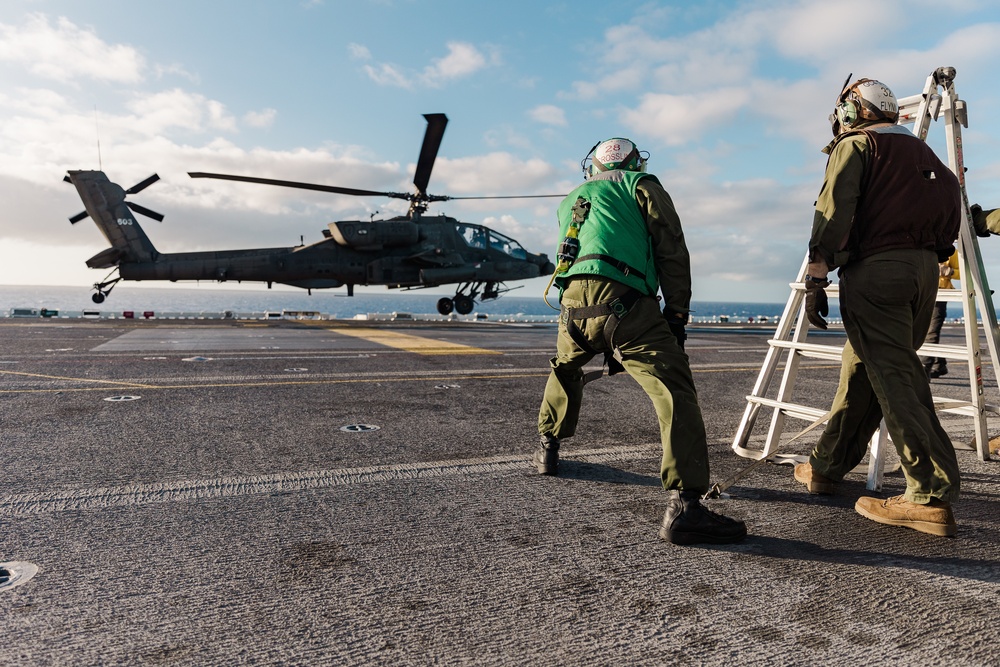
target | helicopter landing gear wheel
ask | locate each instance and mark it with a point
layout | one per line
(464, 304)
(103, 288)
(445, 305)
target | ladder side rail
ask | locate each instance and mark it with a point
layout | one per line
(974, 360)
(975, 287)
(787, 386)
(767, 371)
(771, 360)
(922, 118)
(876, 457)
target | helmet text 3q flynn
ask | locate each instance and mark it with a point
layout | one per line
(865, 100)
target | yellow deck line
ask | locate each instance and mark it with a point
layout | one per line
(415, 344)
(120, 383)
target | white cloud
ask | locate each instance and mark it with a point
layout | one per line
(179, 109)
(463, 60)
(40, 101)
(495, 174)
(632, 60)
(65, 52)
(548, 114)
(819, 30)
(175, 69)
(678, 119)
(218, 117)
(262, 118)
(388, 75)
(359, 51)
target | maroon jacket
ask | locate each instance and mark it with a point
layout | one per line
(909, 198)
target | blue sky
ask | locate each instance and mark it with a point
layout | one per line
(729, 98)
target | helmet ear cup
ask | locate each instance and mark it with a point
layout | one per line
(847, 113)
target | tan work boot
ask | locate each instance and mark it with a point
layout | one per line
(993, 446)
(934, 518)
(815, 482)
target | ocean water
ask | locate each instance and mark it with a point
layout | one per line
(214, 302)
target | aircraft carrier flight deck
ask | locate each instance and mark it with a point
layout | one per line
(344, 492)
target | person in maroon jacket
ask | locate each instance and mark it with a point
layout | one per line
(888, 212)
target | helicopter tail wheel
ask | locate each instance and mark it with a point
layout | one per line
(464, 304)
(445, 305)
(103, 288)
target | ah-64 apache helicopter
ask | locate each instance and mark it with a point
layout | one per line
(411, 251)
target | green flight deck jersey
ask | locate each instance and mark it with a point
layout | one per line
(614, 241)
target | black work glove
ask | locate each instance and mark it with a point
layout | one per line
(677, 323)
(944, 253)
(817, 305)
(979, 221)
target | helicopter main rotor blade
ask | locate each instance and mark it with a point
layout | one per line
(446, 198)
(436, 123)
(302, 186)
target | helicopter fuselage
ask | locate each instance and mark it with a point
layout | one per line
(437, 250)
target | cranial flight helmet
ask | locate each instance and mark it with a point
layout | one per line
(616, 153)
(863, 100)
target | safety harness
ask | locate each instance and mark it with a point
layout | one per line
(615, 310)
(617, 263)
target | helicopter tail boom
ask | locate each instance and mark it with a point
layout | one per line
(105, 204)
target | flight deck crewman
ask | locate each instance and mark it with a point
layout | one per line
(623, 241)
(888, 212)
(935, 367)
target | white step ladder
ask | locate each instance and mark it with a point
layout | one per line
(793, 327)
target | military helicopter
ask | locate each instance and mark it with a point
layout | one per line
(410, 252)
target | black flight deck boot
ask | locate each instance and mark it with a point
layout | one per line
(687, 521)
(546, 457)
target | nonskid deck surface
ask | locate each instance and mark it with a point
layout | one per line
(333, 493)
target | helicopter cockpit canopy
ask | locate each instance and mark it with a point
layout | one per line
(477, 236)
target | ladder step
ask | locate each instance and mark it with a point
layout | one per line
(950, 295)
(802, 412)
(959, 407)
(832, 352)
(944, 351)
(806, 413)
(814, 350)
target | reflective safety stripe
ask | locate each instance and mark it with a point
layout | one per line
(415, 344)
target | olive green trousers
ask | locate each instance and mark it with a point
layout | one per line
(887, 301)
(651, 355)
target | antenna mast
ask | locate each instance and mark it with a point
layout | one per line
(97, 131)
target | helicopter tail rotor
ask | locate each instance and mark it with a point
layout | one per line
(138, 187)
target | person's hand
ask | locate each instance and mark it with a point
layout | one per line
(677, 323)
(818, 268)
(979, 221)
(817, 305)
